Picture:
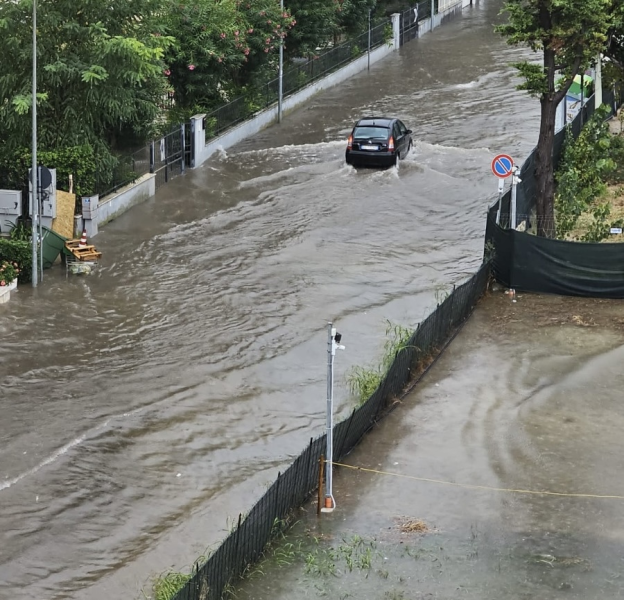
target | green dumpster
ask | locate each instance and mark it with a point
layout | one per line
(53, 244)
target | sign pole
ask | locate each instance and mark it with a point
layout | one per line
(35, 200)
(514, 191)
(501, 187)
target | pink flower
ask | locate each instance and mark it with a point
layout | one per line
(2, 283)
(167, 72)
(222, 36)
(246, 51)
(191, 67)
(268, 40)
(266, 49)
(236, 32)
(250, 30)
(269, 22)
(219, 59)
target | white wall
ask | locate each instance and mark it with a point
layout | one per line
(112, 206)
(269, 116)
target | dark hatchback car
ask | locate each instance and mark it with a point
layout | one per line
(378, 142)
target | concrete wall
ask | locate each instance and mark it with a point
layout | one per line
(114, 205)
(269, 116)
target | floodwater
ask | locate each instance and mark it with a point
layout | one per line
(527, 397)
(145, 406)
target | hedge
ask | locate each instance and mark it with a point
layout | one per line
(19, 252)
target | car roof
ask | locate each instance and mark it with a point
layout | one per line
(375, 121)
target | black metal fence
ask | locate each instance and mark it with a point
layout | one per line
(165, 157)
(293, 79)
(247, 542)
(411, 19)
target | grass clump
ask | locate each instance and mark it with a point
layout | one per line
(363, 381)
(169, 584)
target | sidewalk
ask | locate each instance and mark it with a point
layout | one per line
(528, 396)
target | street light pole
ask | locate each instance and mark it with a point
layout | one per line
(333, 344)
(35, 199)
(369, 37)
(280, 92)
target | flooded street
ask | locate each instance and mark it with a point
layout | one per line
(527, 397)
(145, 406)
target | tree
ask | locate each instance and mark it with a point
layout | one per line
(317, 25)
(615, 45)
(220, 47)
(569, 34)
(99, 71)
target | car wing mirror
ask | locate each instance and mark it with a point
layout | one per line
(409, 131)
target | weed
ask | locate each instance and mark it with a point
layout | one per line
(364, 381)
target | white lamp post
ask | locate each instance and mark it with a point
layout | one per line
(35, 199)
(280, 92)
(333, 344)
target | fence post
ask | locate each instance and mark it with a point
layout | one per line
(152, 157)
(183, 147)
(396, 30)
(346, 435)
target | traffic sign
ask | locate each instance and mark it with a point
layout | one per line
(502, 166)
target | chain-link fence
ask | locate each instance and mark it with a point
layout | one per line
(247, 542)
(294, 78)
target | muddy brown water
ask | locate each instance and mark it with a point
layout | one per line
(145, 406)
(508, 406)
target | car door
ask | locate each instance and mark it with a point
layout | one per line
(398, 138)
(404, 138)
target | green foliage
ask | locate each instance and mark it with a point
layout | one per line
(169, 584)
(78, 161)
(100, 69)
(20, 253)
(220, 47)
(586, 164)
(20, 232)
(364, 381)
(568, 34)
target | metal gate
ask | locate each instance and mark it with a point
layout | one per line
(168, 155)
(411, 18)
(189, 148)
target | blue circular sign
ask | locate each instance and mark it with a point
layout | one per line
(502, 166)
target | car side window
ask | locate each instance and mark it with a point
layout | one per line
(396, 131)
(402, 127)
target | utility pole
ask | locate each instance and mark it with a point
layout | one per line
(35, 196)
(280, 92)
(369, 37)
(333, 344)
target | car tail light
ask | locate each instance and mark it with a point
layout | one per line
(350, 143)
(391, 143)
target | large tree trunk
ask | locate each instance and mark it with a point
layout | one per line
(544, 169)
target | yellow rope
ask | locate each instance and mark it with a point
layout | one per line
(477, 487)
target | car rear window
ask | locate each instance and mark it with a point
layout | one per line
(370, 132)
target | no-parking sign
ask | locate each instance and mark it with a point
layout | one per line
(502, 166)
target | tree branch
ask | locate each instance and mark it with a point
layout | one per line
(563, 89)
